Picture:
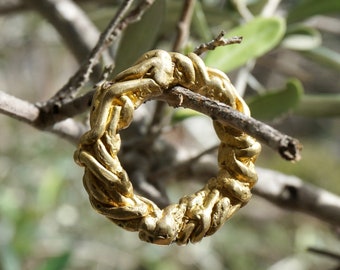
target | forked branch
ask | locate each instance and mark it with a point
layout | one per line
(217, 42)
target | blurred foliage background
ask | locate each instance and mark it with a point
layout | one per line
(287, 68)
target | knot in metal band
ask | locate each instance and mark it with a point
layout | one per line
(107, 183)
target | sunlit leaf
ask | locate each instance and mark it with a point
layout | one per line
(300, 37)
(182, 114)
(326, 105)
(259, 36)
(324, 56)
(275, 103)
(308, 8)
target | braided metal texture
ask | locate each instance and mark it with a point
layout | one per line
(107, 183)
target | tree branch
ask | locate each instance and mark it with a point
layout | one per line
(217, 42)
(28, 113)
(68, 91)
(66, 110)
(288, 147)
(113, 30)
(183, 33)
(17, 108)
(285, 191)
(71, 23)
(183, 25)
(290, 192)
(325, 253)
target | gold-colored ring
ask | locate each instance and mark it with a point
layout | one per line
(107, 183)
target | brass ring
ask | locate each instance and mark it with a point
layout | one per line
(107, 183)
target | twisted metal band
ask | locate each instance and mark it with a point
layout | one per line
(107, 183)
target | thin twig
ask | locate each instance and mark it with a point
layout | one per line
(241, 6)
(68, 91)
(288, 147)
(158, 120)
(178, 169)
(183, 33)
(270, 8)
(183, 25)
(243, 75)
(71, 22)
(325, 253)
(216, 42)
(114, 29)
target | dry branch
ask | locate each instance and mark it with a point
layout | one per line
(68, 91)
(288, 147)
(286, 191)
(183, 25)
(325, 253)
(217, 42)
(182, 35)
(292, 193)
(71, 23)
(28, 113)
(121, 20)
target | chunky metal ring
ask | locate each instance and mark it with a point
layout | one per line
(107, 183)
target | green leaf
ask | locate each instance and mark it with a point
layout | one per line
(275, 103)
(326, 105)
(200, 24)
(49, 189)
(140, 36)
(259, 36)
(300, 37)
(59, 262)
(308, 8)
(324, 56)
(182, 114)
